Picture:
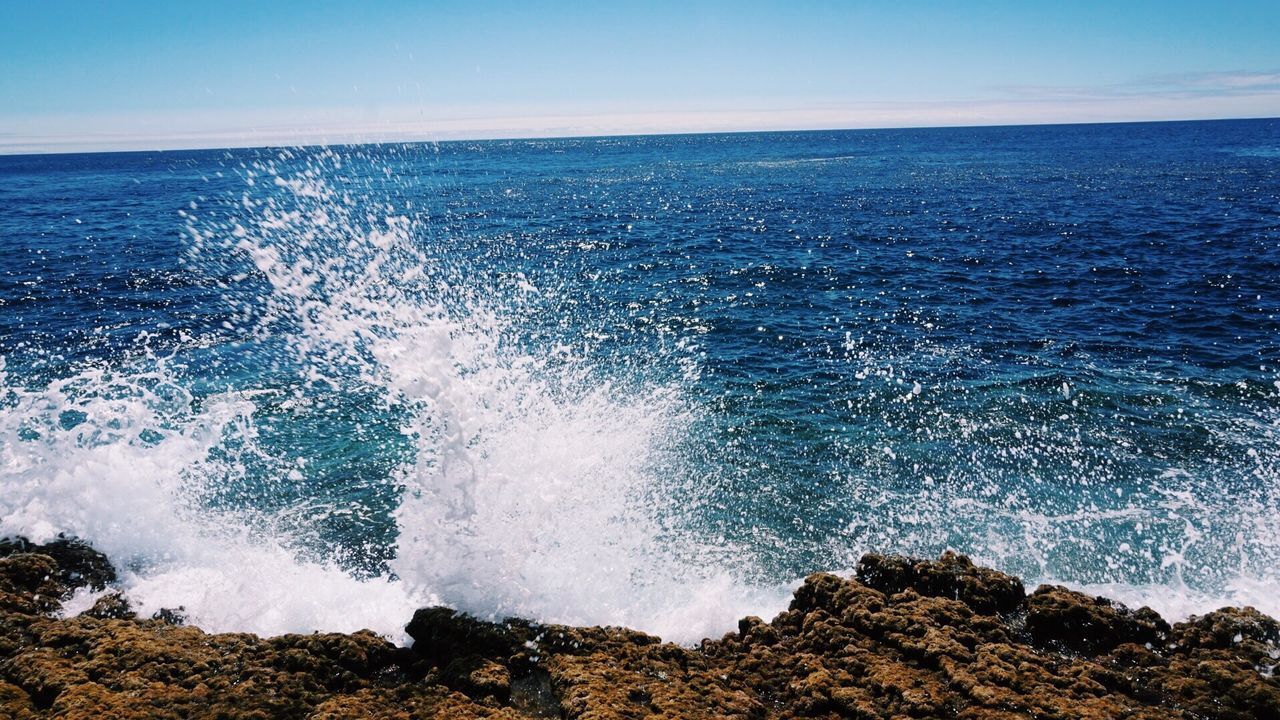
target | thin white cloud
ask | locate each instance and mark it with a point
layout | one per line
(1179, 85)
(1223, 83)
(1176, 97)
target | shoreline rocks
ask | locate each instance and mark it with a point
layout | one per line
(904, 638)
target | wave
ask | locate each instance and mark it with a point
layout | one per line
(534, 484)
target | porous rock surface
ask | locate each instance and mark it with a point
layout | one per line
(903, 639)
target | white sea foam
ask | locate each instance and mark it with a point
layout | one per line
(119, 457)
(537, 486)
(1175, 602)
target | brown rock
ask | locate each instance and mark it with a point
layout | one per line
(950, 576)
(1072, 621)
(112, 606)
(441, 634)
(911, 639)
(78, 564)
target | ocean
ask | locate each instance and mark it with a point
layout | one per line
(647, 381)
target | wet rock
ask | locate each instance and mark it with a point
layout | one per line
(910, 639)
(441, 635)
(532, 695)
(1067, 620)
(1226, 629)
(479, 678)
(29, 584)
(950, 576)
(171, 616)
(29, 573)
(78, 563)
(112, 606)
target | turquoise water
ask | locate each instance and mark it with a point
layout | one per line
(648, 380)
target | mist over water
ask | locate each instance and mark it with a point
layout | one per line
(647, 381)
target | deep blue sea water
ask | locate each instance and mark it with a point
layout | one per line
(648, 380)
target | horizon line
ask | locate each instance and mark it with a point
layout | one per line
(552, 135)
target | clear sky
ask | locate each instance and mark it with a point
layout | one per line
(210, 73)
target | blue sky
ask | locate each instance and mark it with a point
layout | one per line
(122, 74)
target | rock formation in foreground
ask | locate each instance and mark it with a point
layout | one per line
(904, 639)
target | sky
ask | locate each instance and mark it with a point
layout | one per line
(127, 74)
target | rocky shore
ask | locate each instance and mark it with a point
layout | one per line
(903, 639)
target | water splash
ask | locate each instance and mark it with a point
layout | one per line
(123, 457)
(533, 483)
(539, 485)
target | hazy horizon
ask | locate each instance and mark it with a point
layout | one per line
(357, 140)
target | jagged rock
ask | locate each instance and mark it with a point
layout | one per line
(1068, 620)
(78, 563)
(15, 703)
(30, 573)
(441, 634)
(911, 638)
(1227, 628)
(952, 576)
(112, 606)
(171, 616)
(479, 678)
(29, 583)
